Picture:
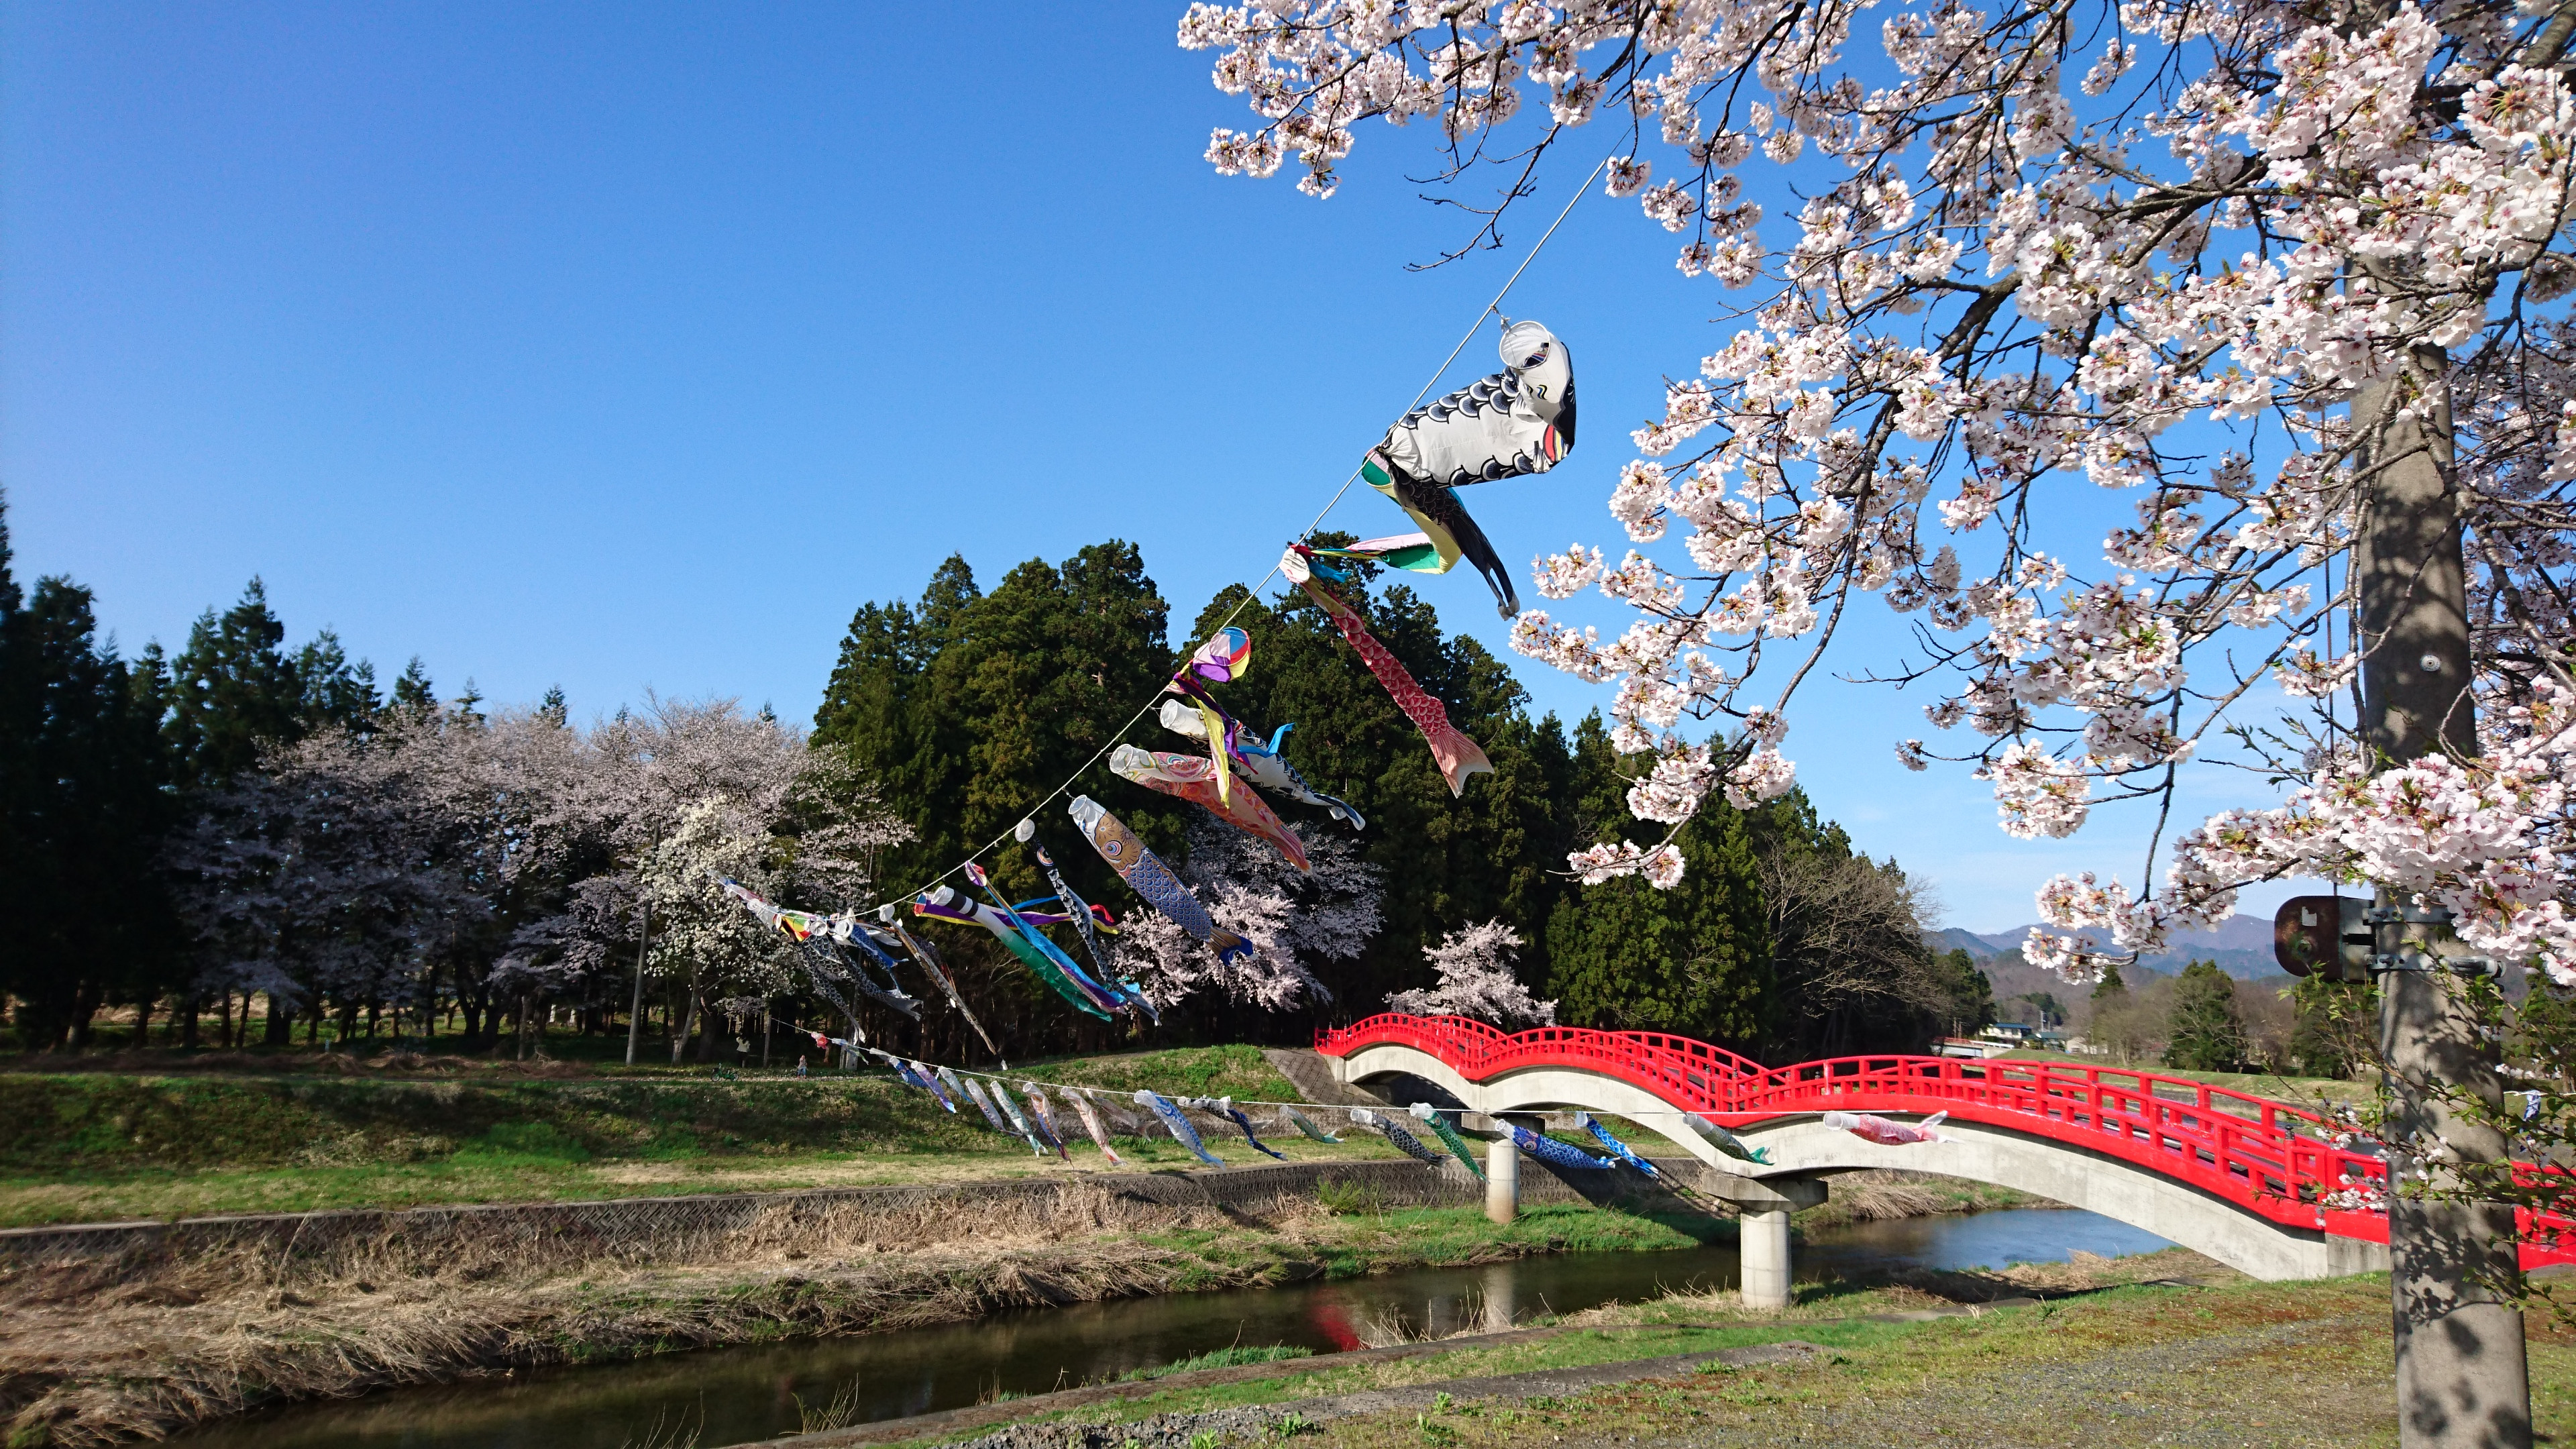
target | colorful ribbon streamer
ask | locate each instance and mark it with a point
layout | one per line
(1018, 943)
(1109, 997)
(1082, 914)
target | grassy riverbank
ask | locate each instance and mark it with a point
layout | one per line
(97, 1355)
(2163, 1349)
(92, 1146)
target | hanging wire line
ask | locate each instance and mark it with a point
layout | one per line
(1255, 591)
(1006, 1076)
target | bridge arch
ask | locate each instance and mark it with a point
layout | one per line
(2227, 1175)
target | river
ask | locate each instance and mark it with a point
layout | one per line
(742, 1395)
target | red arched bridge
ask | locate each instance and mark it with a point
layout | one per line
(2258, 1185)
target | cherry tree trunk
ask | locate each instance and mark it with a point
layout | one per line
(2462, 1377)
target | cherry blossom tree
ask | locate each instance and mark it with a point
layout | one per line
(1293, 921)
(523, 857)
(1476, 979)
(2289, 278)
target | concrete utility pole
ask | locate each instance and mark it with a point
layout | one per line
(2463, 1381)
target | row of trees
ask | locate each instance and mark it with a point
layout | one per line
(247, 819)
(242, 820)
(2205, 1020)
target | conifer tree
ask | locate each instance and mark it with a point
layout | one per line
(1695, 959)
(2205, 1033)
(81, 813)
(232, 690)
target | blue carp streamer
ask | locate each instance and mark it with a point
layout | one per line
(1558, 1154)
(1180, 1125)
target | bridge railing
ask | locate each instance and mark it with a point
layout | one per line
(2279, 1161)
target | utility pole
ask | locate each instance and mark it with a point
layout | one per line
(635, 1014)
(2463, 1380)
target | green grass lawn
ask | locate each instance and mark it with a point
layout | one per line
(94, 1146)
(2244, 1363)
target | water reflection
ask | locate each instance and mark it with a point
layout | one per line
(740, 1395)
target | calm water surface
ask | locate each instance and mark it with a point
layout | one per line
(739, 1395)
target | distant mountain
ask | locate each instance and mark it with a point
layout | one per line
(2241, 945)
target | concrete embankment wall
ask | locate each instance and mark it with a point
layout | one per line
(718, 1227)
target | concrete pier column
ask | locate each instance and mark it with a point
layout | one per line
(1501, 1298)
(1502, 1180)
(1763, 1277)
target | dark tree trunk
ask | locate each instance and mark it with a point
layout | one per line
(2463, 1374)
(279, 1028)
(188, 1022)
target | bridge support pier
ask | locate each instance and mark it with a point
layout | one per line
(1763, 1243)
(1502, 1180)
(1762, 1233)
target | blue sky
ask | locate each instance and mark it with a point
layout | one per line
(634, 348)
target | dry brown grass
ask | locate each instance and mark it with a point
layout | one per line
(1883, 1194)
(100, 1352)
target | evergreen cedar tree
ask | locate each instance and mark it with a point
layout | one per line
(2205, 1033)
(967, 706)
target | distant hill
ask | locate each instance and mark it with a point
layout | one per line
(2241, 945)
